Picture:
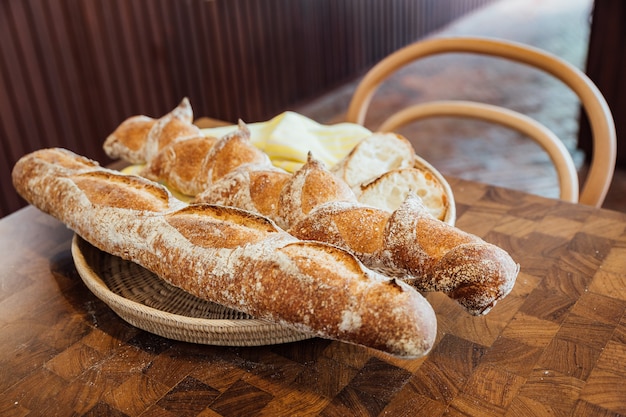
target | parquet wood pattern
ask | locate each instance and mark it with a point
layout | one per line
(555, 346)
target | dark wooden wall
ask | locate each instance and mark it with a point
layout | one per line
(71, 71)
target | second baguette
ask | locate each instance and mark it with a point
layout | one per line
(408, 243)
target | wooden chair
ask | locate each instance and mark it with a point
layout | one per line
(602, 164)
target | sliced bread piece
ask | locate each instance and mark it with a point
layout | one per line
(391, 189)
(372, 157)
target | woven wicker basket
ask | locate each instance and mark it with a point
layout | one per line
(149, 303)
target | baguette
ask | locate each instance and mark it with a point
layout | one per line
(228, 256)
(409, 243)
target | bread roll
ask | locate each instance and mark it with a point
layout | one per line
(228, 256)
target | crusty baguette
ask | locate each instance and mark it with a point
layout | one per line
(228, 256)
(409, 243)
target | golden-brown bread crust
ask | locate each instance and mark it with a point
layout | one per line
(139, 138)
(429, 254)
(229, 153)
(351, 225)
(179, 163)
(109, 189)
(283, 197)
(309, 187)
(229, 256)
(128, 139)
(257, 190)
(191, 165)
(265, 187)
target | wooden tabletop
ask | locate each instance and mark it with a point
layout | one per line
(555, 346)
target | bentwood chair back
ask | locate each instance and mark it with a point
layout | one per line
(602, 163)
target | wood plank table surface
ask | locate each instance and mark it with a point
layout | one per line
(555, 346)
